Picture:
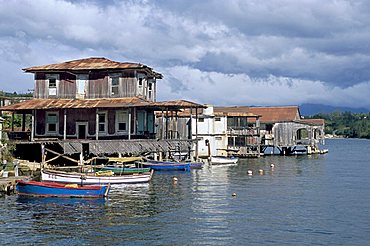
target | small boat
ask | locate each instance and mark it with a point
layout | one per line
(196, 165)
(219, 160)
(123, 170)
(166, 165)
(52, 189)
(95, 178)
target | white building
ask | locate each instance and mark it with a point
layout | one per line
(226, 131)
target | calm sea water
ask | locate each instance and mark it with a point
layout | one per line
(304, 200)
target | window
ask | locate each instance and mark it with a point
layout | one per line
(52, 122)
(115, 86)
(140, 84)
(52, 81)
(121, 121)
(150, 90)
(218, 138)
(201, 120)
(102, 119)
(217, 119)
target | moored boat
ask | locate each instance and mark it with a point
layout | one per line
(219, 160)
(52, 189)
(196, 165)
(166, 165)
(123, 170)
(92, 178)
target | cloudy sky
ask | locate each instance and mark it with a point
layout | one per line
(234, 52)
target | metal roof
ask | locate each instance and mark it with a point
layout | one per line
(317, 122)
(234, 111)
(93, 63)
(276, 114)
(126, 147)
(126, 102)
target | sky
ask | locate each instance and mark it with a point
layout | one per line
(235, 52)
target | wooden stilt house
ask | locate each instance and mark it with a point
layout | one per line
(81, 104)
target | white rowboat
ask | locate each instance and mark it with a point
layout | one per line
(91, 178)
(218, 160)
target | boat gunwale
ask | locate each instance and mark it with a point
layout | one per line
(49, 184)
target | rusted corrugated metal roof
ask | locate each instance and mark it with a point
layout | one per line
(234, 111)
(179, 103)
(276, 114)
(93, 63)
(317, 122)
(127, 147)
(237, 111)
(95, 103)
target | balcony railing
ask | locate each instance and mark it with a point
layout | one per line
(243, 131)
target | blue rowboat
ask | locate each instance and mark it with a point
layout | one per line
(165, 165)
(196, 165)
(52, 189)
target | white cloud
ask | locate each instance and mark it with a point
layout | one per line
(263, 47)
(241, 89)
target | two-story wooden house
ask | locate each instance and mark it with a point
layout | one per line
(94, 99)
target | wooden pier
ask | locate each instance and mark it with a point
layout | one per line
(7, 185)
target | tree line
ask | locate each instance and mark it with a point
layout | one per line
(346, 124)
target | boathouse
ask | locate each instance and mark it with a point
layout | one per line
(285, 130)
(227, 131)
(95, 106)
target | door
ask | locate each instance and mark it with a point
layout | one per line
(81, 85)
(81, 130)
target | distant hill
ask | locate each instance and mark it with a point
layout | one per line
(308, 109)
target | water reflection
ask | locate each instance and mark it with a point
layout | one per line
(302, 200)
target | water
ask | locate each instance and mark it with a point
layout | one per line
(304, 200)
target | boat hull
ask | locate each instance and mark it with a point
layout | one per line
(125, 170)
(89, 179)
(50, 189)
(222, 160)
(166, 165)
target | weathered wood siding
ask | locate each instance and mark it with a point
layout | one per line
(128, 87)
(177, 128)
(89, 116)
(98, 85)
(67, 86)
(40, 122)
(40, 86)
(285, 134)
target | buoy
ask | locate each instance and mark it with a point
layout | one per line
(234, 194)
(272, 165)
(174, 180)
(250, 172)
(260, 172)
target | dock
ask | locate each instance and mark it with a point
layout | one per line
(7, 185)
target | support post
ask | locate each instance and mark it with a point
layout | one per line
(129, 124)
(176, 126)
(258, 136)
(97, 125)
(33, 126)
(162, 137)
(190, 136)
(196, 134)
(65, 125)
(166, 123)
